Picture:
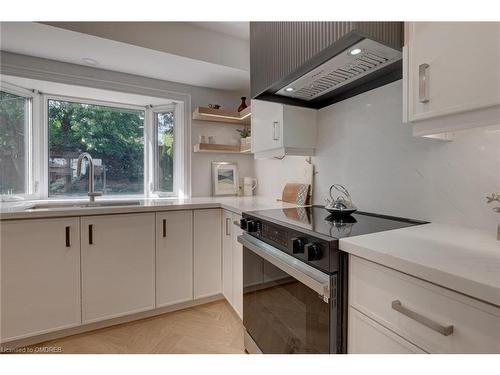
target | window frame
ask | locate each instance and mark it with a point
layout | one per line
(178, 157)
(38, 141)
(30, 185)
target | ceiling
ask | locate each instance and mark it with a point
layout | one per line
(239, 30)
(174, 51)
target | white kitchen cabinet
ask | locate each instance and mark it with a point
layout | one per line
(118, 265)
(279, 129)
(232, 262)
(174, 257)
(207, 253)
(450, 68)
(433, 318)
(40, 276)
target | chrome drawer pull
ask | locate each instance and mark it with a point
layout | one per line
(423, 83)
(444, 330)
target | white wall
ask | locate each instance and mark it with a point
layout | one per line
(363, 145)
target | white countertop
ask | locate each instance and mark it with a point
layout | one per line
(461, 259)
(21, 210)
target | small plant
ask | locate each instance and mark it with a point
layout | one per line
(245, 132)
(495, 197)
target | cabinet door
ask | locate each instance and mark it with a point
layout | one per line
(368, 337)
(118, 265)
(174, 257)
(40, 276)
(267, 125)
(227, 256)
(457, 64)
(207, 253)
(237, 266)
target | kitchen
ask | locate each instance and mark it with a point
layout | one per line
(311, 187)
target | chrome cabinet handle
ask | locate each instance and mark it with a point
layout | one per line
(275, 133)
(68, 237)
(423, 83)
(228, 221)
(444, 330)
(164, 225)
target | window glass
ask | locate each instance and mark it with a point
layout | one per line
(164, 152)
(114, 137)
(14, 121)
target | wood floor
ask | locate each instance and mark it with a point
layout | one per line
(207, 329)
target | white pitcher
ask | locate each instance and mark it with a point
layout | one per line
(249, 185)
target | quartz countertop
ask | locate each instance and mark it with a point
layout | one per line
(21, 210)
(464, 260)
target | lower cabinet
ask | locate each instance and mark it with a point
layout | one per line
(232, 262)
(64, 272)
(207, 253)
(174, 257)
(40, 276)
(118, 265)
(404, 309)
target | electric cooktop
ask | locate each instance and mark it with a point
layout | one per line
(317, 220)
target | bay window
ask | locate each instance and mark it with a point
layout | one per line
(137, 150)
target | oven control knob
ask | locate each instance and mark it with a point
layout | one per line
(252, 226)
(243, 223)
(313, 251)
(298, 245)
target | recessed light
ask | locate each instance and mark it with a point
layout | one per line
(89, 61)
(289, 89)
(355, 51)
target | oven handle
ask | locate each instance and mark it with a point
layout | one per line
(309, 276)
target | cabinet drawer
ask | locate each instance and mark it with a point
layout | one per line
(366, 336)
(373, 290)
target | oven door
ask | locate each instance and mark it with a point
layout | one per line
(286, 303)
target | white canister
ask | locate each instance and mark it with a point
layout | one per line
(249, 185)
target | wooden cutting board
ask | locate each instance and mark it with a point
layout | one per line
(296, 193)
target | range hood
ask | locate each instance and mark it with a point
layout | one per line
(359, 60)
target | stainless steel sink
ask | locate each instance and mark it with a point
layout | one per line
(45, 206)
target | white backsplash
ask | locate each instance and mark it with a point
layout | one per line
(363, 144)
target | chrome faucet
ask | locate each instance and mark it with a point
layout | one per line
(92, 193)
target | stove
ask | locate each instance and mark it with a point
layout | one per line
(291, 257)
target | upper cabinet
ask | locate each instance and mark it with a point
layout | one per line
(279, 130)
(451, 70)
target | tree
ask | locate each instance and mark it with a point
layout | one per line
(12, 143)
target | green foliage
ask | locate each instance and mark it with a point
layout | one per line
(116, 136)
(12, 149)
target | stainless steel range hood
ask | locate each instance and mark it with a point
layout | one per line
(362, 56)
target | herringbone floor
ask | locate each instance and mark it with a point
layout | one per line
(211, 328)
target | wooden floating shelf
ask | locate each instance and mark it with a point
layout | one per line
(219, 149)
(221, 115)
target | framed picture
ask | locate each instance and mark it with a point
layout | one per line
(225, 178)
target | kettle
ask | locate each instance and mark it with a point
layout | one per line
(341, 203)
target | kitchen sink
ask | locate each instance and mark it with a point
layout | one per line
(45, 206)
